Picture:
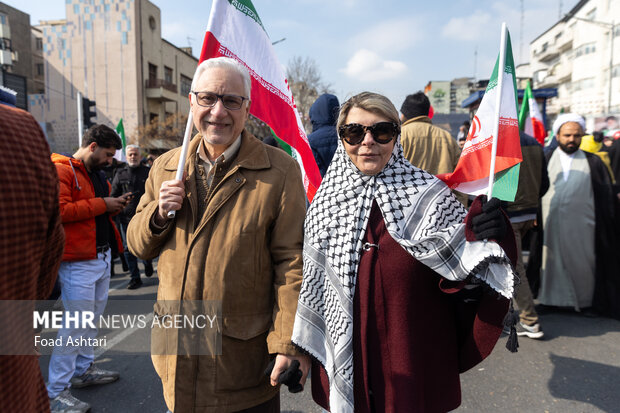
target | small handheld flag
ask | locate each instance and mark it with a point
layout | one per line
(490, 159)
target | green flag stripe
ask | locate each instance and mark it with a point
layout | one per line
(246, 7)
(525, 107)
(283, 145)
(120, 129)
(506, 183)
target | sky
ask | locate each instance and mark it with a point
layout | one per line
(393, 47)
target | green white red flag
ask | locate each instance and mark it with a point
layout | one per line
(472, 173)
(530, 118)
(235, 30)
(120, 153)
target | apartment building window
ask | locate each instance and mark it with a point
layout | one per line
(583, 84)
(186, 85)
(540, 75)
(39, 43)
(615, 71)
(4, 19)
(40, 69)
(152, 73)
(168, 75)
(5, 44)
(585, 49)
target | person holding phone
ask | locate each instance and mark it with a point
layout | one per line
(86, 208)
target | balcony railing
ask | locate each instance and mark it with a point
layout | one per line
(157, 83)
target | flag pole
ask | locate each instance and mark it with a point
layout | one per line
(188, 134)
(498, 101)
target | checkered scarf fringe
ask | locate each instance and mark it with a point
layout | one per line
(420, 213)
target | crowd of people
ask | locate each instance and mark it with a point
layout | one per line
(341, 288)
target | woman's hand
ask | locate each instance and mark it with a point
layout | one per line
(490, 223)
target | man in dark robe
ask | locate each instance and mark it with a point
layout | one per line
(564, 282)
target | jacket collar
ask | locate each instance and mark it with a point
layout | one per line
(251, 155)
(424, 119)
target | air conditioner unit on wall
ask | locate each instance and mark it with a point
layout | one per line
(5, 58)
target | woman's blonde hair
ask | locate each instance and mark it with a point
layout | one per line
(371, 102)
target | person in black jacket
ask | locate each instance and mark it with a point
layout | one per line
(324, 137)
(131, 178)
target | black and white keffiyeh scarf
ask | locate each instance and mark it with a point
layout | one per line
(420, 213)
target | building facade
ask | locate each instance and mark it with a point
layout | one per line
(580, 56)
(112, 52)
(16, 57)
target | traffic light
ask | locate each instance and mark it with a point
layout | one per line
(88, 112)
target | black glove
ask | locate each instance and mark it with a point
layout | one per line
(290, 377)
(490, 223)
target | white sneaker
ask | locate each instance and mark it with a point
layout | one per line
(66, 403)
(533, 331)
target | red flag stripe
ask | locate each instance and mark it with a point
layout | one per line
(268, 104)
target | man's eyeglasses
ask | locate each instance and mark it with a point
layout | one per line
(381, 132)
(208, 100)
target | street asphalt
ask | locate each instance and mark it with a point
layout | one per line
(575, 368)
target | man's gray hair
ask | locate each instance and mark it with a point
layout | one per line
(132, 146)
(224, 63)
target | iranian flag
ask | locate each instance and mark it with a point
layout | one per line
(530, 119)
(120, 153)
(496, 117)
(235, 30)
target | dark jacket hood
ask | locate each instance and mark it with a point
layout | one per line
(324, 111)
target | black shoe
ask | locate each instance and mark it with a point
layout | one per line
(135, 283)
(148, 268)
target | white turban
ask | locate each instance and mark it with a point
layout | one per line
(565, 118)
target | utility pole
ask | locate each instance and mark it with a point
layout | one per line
(79, 113)
(475, 61)
(611, 63)
(521, 34)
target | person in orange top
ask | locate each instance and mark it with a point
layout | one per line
(84, 275)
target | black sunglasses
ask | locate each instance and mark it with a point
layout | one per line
(381, 132)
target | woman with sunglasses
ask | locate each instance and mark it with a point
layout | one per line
(400, 293)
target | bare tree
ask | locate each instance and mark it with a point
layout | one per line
(304, 80)
(161, 135)
(257, 127)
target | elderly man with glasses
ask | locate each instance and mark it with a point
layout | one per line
(236, 240)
